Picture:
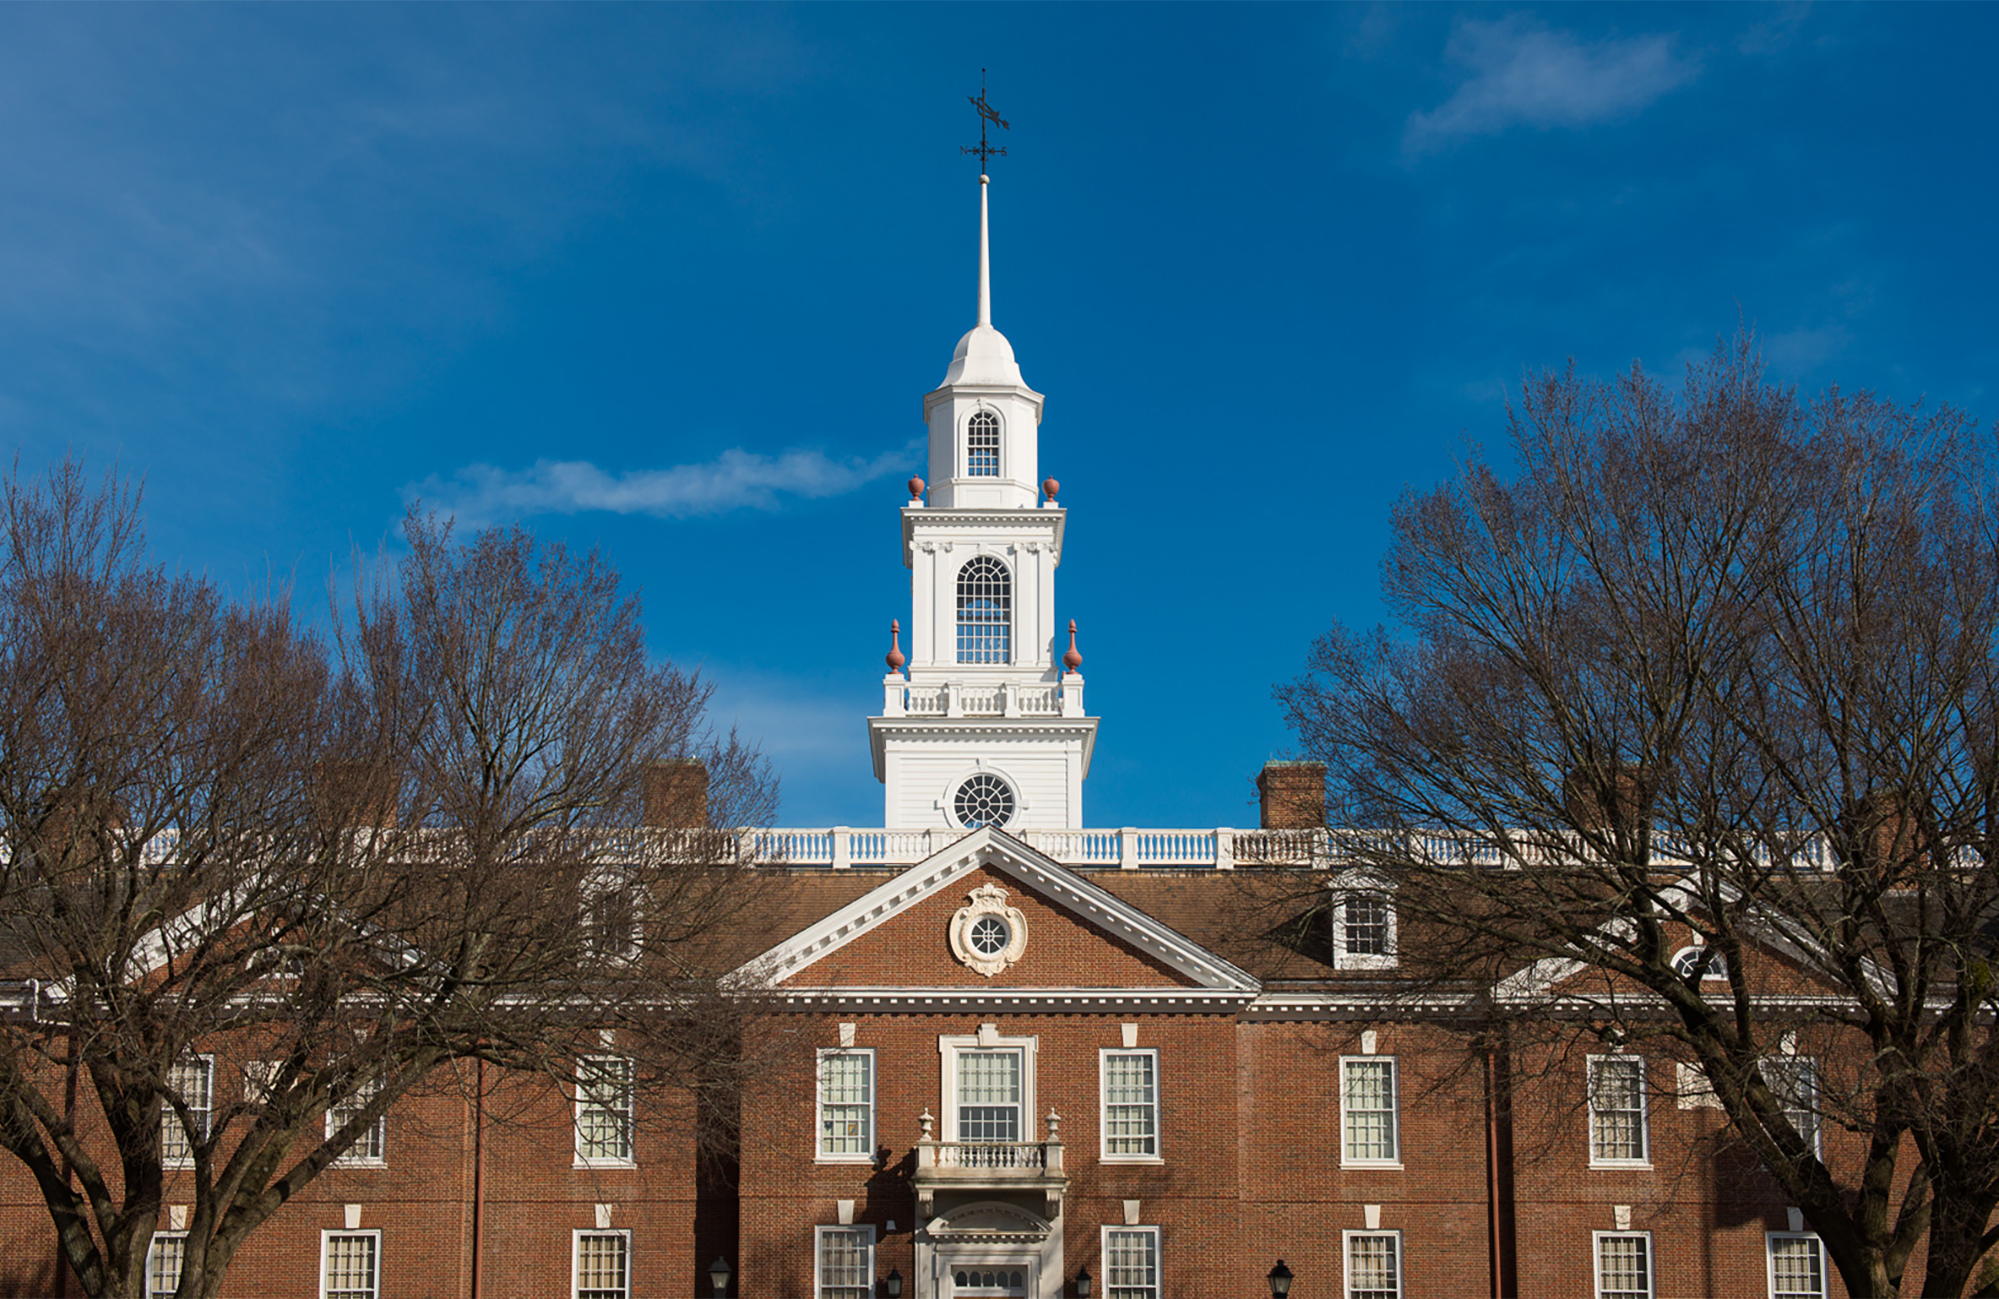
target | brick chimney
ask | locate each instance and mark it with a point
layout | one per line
(1294, 795)
(676, 795)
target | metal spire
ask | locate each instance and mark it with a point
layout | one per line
(983, 152)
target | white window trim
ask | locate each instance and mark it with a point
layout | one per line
(326, 1236)
(819, 1254)
(965, 443)
(1104, 1154)
(598, 884)
(1104, 1252)
(576, 1256)
(1346, 1257)
(168, 1116)
(631, 1119)
(153, 1249)
(948, 1048)
(1345, 887)
(1816, 1110)
(1717, 970)
(1770, 1239)
(1347, 1158)
(1651, 1262)
(822, 1155)
(348, 1158)
(1644, 1113)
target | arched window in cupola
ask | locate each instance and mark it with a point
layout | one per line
(982, 445)
(985, 611)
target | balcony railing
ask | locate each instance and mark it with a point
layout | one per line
(985, 1166)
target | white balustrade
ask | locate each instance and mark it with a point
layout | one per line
(839, 847)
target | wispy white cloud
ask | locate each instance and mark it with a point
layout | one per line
(1522, 73)
(736, 479)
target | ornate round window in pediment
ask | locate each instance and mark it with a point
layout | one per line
(984, 799)
(987, 934)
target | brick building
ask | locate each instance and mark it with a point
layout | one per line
(1014, 1056)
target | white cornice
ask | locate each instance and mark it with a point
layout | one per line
(1056, 1001)
(990, 523)
(1055, 882)
(881, 729)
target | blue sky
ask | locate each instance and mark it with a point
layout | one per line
(672, 280)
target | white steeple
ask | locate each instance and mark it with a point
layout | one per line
(997, 466)
(987, 728)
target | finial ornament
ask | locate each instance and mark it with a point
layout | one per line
(985, 151)
(1049, 487)
(915, 488)
(1072, 660)
(895, 658)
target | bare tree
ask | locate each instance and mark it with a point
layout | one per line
(1717, 668)
(335, 869)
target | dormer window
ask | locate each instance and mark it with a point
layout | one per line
(982, 446)
(985, 611)
(1364, 935)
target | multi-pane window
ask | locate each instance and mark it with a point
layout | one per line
(1131, 1262)
(847, 1105)
(982, 445)
(163, 1264)
(1131, 1104)
(1367, 1111)
(602, 1266)
(193, 1080)
(989, 1095)
(1363, 931)
(1797, 1266)
(1617, 1110)
(371, 1147)
(1794, 1080)
(1374, 1264)
(984, 799)
(846, 1263)
(1624, 1265)
(985, 611)
(350, 1265)
(604, 1110)
(1364, 927)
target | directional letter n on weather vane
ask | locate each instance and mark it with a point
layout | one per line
(983, 151)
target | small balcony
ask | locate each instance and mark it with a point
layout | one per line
(990, 1166)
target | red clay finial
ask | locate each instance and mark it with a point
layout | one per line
(895, 659)
(1049, 487)
(1072, 660)
(915, 488)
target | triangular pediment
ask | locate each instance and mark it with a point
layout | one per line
(1092, 944)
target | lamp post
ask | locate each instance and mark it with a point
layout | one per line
(718, 1276)
(1083, 1283)
(1280, 1280)
(892, 1283)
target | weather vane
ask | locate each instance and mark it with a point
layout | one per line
(986, 114)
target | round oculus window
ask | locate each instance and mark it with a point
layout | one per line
(983, 799)
(989, 935)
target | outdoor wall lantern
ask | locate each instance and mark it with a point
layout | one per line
(1280, 1280)
(892, 1284)
(1083, 1283)
(718, 1276)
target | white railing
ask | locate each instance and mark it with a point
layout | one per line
(983, 699)
(1018, 1156)
(1132, 848)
